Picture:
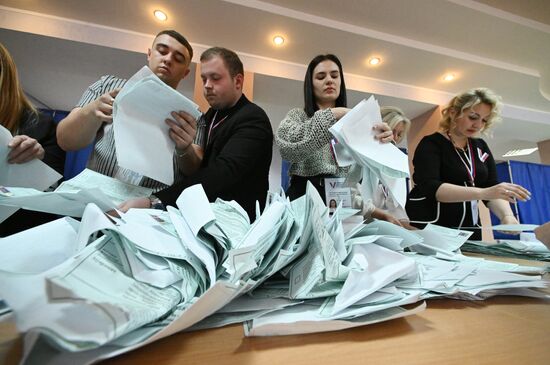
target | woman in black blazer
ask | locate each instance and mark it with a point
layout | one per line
(454, 169)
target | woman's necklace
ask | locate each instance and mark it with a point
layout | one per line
(466, 157)
(463, 149)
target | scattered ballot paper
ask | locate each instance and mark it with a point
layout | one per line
(142, 139)
(33, 174)
(115, 189)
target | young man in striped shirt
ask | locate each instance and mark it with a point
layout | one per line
(169, 58)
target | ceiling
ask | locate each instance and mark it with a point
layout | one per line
(501, 44)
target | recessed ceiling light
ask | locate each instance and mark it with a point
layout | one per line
(523, 152)
(449, 77)
(160, 15)
(278, 40)
(374, 61)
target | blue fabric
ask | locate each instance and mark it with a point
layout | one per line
(75, 161)
(533, 177)
(285, 178)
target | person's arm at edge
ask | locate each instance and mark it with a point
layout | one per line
(80, 127)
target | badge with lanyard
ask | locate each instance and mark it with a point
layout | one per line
(214, 125)
(336, 190)
(469, 164)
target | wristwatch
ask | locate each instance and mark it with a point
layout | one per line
(155, 202)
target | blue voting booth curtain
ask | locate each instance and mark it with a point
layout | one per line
(75, 161)
(285, 178)
(534, 177)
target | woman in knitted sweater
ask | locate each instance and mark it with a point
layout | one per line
(303, 137)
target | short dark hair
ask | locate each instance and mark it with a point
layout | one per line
(178, 37)
(310, 105)
(230, 59)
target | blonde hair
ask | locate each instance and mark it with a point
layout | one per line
(469, 99)
(13, 101)
(392, 116)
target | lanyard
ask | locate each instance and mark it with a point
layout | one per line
(213, 125)
(331, 145)
(468, 162)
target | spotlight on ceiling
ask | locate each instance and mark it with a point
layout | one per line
(374, 61)
(160, 15)
(449, 77)
(278, 40)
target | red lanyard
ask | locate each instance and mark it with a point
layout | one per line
(469, 163)
(213, 125)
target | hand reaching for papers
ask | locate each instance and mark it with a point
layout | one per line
(383, 132)
(506, 191)
(382, 215)
(183, 129)
(102, 108)
(24, 149)
(134, 203)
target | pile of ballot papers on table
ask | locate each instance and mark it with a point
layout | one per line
(533, 249)
(90, 290)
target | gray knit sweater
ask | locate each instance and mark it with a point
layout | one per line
(305, 143)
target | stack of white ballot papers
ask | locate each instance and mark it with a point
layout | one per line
(34, 174)
(90, 290)
(142, 139)
(381, 163)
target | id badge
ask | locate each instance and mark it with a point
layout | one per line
(337, 192)
(475, 212)
(128, 176)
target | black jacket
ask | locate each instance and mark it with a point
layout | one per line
(436, 161)
(236, 160)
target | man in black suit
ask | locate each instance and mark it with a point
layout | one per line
(232, 150)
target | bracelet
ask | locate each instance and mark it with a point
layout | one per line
(155, 202)
(181, 154)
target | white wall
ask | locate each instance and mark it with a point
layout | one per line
(276, 96)
(57, 72)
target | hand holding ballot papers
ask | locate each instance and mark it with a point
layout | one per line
(380, 162)
(32, 174)
(144, 142)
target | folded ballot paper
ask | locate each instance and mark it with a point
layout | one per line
(381, 162)
(142, 139)
(34, 174)
(95, 289)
